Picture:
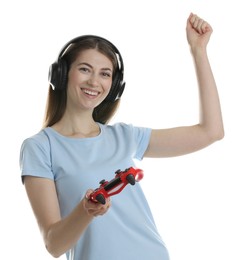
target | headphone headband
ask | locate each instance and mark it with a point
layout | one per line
(58, 71)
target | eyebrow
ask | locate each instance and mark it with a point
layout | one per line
(87, 64)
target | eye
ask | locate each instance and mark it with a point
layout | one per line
(84, 69)
(106, 74)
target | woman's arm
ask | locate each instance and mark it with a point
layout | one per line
(59, 234)
(182, 140)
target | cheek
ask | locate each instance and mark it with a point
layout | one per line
(108, 85)
(73, 82)
(70, 80)
(73, 76)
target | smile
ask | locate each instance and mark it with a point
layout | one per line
(90, 92)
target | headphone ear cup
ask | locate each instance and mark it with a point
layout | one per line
(117, 88)
(58, 75)
(121, 89)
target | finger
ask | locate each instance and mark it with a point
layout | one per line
(102, 209)
(87, 195)
(192, 18)
(206, 27)
(98, 211)
(196, 23)
(96, 206)
(199, 24)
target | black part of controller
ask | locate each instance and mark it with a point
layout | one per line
(100, 198)
(130, 178)
(112, 184)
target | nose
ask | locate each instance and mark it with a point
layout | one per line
(93, 80)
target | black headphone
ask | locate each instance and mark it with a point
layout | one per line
(58, 71)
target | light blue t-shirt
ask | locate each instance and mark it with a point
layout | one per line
(127, 231)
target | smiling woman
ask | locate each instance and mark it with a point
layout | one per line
(91, 73)
(58, 77)
(76, 148)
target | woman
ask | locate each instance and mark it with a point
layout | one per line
(76, 148)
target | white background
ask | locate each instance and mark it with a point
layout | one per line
(196, 199)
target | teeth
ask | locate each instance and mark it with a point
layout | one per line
(89, 92)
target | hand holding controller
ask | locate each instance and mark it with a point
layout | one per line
(130, 175)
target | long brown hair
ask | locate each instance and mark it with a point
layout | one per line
(57, 99)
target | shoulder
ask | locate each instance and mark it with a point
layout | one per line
(39, 140)
(118, 129)
(120, 126)
(123, 129)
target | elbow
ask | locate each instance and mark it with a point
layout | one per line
(217, 134)
(221, 135)
(52, 246)
(53, 252)
(56, 255)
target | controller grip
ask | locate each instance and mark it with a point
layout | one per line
(130, 179)
(100, 198)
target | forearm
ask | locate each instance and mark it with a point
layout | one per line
(63, 235)
(210, 111)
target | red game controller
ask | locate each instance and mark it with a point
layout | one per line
(130, 175)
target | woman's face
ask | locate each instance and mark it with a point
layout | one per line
(89, 80)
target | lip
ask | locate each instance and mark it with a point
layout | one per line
(90, 92)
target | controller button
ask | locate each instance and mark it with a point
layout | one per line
(118, 171)
(102, 181)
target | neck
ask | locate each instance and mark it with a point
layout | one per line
(82, 125)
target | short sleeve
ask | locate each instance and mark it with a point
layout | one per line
(142, 137)
(35, 157)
